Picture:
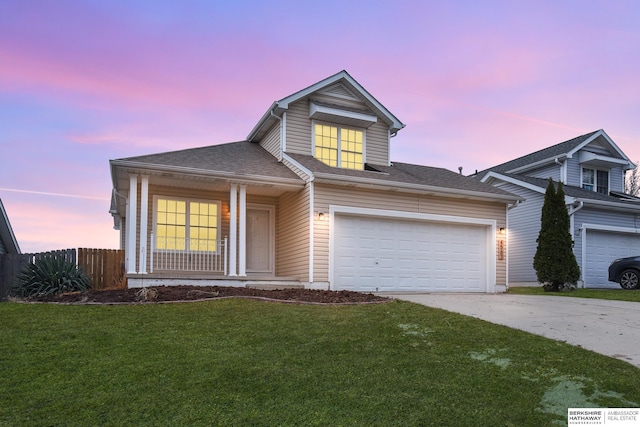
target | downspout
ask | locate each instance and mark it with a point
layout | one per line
(506, 270)
(572, 211)
(389, 136)
(563, 170)
(282, 140)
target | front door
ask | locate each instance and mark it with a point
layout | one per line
(260, 247)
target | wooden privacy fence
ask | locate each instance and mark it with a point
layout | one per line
(104, 266)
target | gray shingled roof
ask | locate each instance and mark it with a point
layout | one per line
(572, 191)
(240, 158)
(546, 153)
(404, 173)
(248, 158)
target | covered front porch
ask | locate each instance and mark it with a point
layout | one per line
(205, 231)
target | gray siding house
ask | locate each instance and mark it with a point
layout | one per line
(8, 242)
(310, 198)
(605, 222)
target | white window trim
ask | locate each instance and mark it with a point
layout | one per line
(595, 178)
(187, 224)
(340, 127)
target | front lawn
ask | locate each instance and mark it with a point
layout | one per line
(611, 294)
(244, 362)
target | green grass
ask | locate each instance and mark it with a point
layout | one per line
(243, 362)
(610, 294)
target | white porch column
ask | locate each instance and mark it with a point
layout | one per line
(242, 238)
(233, 235)
(144, 219)
(131, 231)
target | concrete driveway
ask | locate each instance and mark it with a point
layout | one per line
(607, 327)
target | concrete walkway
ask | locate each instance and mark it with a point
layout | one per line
(607, 327)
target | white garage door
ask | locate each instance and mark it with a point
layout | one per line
(602, 248)
(378, 254)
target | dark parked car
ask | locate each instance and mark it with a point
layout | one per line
(626, 271)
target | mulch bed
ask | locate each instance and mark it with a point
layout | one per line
(163, 294)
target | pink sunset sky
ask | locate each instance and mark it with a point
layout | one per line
(476, 82)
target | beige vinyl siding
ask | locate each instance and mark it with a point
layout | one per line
(377, 144)
(292, 251)
(326, 195)
(299, 132)
(293, 166)
(299, 128)
(271, 141)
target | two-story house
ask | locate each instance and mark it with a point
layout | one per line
(605, 222)
(310, 198)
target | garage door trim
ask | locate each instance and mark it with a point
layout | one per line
(490, 224)
(598, 227)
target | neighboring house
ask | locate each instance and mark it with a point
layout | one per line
(310, 198)
(8, 242)
(605, 222)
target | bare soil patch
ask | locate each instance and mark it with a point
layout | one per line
(196, 293)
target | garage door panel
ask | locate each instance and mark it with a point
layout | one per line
(602, 248)
(393, 255)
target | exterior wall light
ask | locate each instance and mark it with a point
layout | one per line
(321, 216)
(502, 230)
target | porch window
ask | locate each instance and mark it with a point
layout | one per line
(182, 224)
(339, 146)
(595, 180)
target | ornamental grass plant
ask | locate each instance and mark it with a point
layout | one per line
(51, 275)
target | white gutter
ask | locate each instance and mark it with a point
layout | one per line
(601, 204)
(563, 170)
(399, 186)
(249, 179)
(535, 164)
(282, 137)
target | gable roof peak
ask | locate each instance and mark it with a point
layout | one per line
(278, 107)
(563, 149)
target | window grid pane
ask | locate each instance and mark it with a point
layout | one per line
(588, 179)
(203, 229)
(171, 225)
(326, 140)
(602, 182)
(351, 153)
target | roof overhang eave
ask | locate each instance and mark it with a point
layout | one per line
(142, 168)
(537, 164)
(602, 204)
(267, 120)
(413, 188)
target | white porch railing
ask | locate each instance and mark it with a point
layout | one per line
(189, 255)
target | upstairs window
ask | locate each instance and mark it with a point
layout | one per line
(186, 225)
(595, 180)
(338, 146)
